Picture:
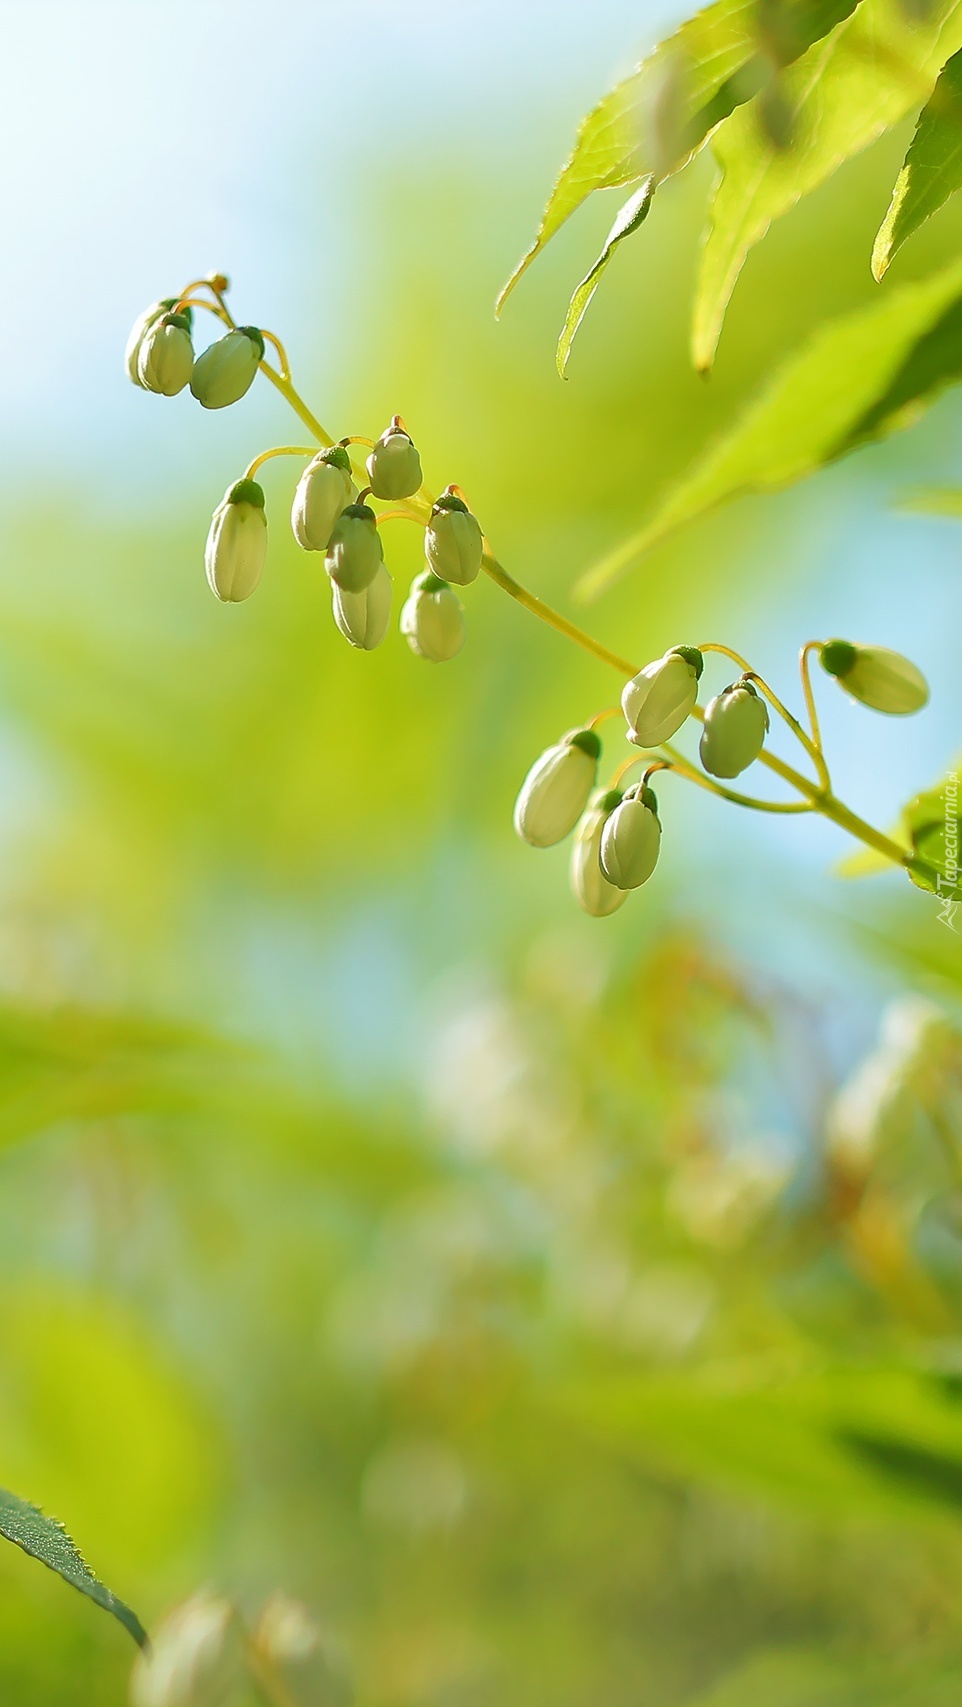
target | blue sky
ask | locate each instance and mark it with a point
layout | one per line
(142, 144)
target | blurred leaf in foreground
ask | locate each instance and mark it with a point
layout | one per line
(799, 1677)
(934, 501)
(74, 1064)
(853, 1444)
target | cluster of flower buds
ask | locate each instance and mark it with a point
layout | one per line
(160, 357)
(195, 1660)
(202, 1656)
(329, 514)
(618, 832)
(615, 849)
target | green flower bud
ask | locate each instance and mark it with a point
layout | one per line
(630, 840)
(363, 617)
(432, 620)
(323, 491)
(555, 791)
(877, 676)
(354, 551)
(226, 369)
(657, 700)
(394, 467)
(736, 723)
(453, 541)
(196, 1658)
(591, 887)
(237, 542)
(166, 359)
(141, 327)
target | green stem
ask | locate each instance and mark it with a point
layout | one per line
(803, 667)
(680, 764)
(553, 618)
(848, 820)
(298, 405)
(278, 450)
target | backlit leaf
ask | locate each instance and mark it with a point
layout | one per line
(856, 379)
(633, 214)
(659, 116)
(933, 167)
(846, 91)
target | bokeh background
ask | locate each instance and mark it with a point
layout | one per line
(565, 1310)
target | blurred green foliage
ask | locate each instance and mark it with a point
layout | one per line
(527, 1296)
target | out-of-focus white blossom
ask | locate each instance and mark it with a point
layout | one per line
(195, 1658)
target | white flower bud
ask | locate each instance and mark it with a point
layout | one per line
(877, 676)
(141, 327)
(363, 617)
(323, 491)
(354, 550)
(630, 840)
(226, 369)
(166, 358)
(394, 467)
(237, 543)
(736, 723)
(309, 1664)
(591, 887)
(432, 619)
(657, 700)
(195, 1659)
(555, 791)
(453, 541)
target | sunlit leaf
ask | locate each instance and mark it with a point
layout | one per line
(800, 1677)
(856, 379)
(717, 57)
(846, 91)
(630, 217)
(927, 825)
(932, 171)
(845, 1443)
(45, 1539)
(73, 1065)
(931, 822)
